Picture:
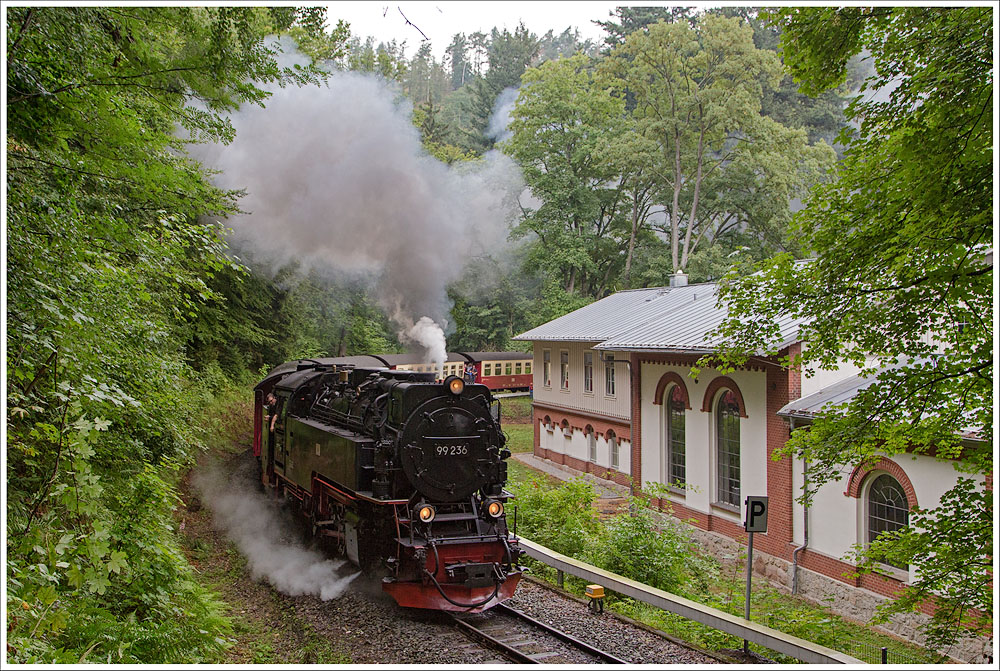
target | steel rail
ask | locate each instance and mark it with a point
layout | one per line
(536, 658)
(561, 635)
(494, 643)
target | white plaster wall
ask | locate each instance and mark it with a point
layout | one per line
(837, 522)
(700, 436)
(575, 398)
(576, 446)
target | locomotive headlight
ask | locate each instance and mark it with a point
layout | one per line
(494, 509)
(456, 385)
(425, 513)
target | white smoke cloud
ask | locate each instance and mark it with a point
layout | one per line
(336, 176)
(496, 128)
(251, 521)
(428, 335)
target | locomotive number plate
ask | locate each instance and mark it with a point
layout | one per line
(452, 449)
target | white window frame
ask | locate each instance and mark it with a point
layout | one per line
(564, 370)
(610, 387)
(547, 368)
(901, 574)
(588, 372)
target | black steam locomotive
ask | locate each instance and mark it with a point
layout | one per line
(403, 475)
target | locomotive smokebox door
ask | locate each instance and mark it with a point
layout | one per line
(446, 449)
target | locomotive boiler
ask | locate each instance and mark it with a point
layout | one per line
(400, 473)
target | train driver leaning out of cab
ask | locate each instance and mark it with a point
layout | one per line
(271, 405)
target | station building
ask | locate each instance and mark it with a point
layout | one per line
(614, 396)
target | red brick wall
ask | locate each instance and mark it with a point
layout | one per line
(860, 473)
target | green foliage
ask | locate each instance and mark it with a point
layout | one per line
(110, 263)
(720, 166)
(508, 56)
(561, 518)
(563, 126)
(899, 285)
(633, 546)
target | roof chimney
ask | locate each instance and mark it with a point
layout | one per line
(679, 280)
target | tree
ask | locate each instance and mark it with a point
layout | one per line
(697, 92)
(900, 281)
(109, 257)
(631, 19)
(508, 54)
(563, 125)
(460, 67)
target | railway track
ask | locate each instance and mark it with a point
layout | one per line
(525, 640)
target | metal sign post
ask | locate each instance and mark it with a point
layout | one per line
(755, 521)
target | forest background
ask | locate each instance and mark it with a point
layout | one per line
(678, 144)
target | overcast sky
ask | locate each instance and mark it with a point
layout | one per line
(439, 20)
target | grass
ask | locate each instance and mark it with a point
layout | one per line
(516, 410)
(520, 437)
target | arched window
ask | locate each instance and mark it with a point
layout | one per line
(727, 422)
(591, 443)
(673, 409)
(888, 509)
(613, 448)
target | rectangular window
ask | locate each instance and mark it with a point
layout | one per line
(609, 375)
(486, 369)
(517, 368)
(508, 368)
(546, 368)
(564, 369)
(527, 368)
(592, 446)
(729, 458)
(675, 435)
(613, 447)
(588, 372)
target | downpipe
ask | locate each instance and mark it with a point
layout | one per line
(805, 520)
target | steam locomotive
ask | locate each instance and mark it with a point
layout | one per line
(402, 474)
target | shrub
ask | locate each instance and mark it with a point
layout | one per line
(560, 518)
(633, 546)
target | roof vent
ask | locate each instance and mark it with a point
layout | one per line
(679, 280)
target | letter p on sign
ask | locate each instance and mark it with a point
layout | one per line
(756, 518)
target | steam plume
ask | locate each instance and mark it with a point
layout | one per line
(337, 176)
(252, 522)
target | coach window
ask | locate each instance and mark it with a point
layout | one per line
(508, 368)
(613, 448)
(727, 423)
(527, 368)
(609, 375)
(887, 508)
(675, 437)
(517, 368)
(564, 369)
(588, 372)
(547, 367)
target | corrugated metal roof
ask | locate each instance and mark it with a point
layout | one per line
(605, 318)
(666, 319)
(832, 395)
